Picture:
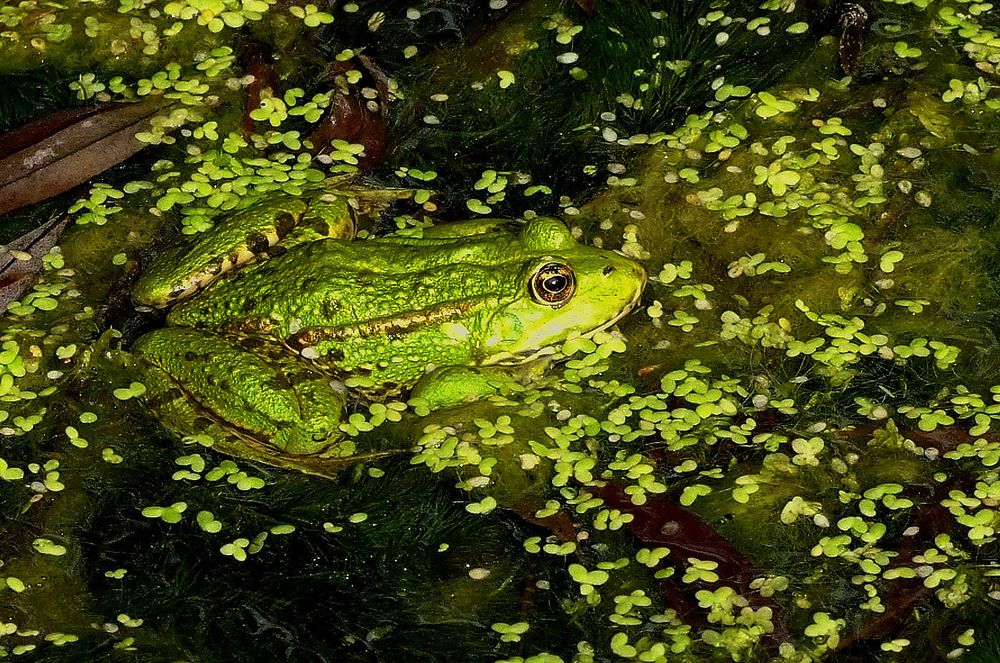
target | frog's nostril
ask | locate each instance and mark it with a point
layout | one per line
(609, 269)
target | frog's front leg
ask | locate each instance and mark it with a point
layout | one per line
(201, 383)
(454, 385)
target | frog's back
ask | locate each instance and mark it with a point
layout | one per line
(333, 283)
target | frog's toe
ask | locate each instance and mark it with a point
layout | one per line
(302, 445)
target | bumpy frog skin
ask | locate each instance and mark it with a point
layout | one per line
(257, 358)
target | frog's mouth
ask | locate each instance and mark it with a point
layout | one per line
(519, 358)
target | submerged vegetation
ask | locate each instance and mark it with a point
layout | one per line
(786, 453)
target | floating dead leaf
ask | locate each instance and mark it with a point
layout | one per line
(66, 149)
(589, 6)
(39, 130)
(646, 371)
(942, 439)
(905, 595)
(560, 523)
(22, 259)
(662, 522)
(358, 112)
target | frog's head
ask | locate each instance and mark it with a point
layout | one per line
(564, 290)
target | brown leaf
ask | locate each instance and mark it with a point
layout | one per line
(943, 438)
(589, 6)
(22, 259)
(662, 522)
(354, 118)
(905, 595)
(258, 61)
(37, 131)
(559, 523)
(62, 151)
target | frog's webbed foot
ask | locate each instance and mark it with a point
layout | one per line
(200, 384)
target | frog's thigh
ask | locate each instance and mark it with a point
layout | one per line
(292, 409)
(452, 385)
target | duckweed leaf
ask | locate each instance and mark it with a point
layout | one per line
(208, 523)
(237, 549)
(47, 547)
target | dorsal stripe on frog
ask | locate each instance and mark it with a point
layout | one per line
(387, 326)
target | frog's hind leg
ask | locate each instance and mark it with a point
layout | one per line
(325, 216)
(239, 237)
(337, 213)
(202, 384)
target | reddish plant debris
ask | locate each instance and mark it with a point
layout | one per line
(353, 116)
(662, 522)
(358, 113)
(22, 259)
(853, 23)
(258, 62)
(905, 595)
(560, 523)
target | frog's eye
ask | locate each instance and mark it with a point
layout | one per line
(553, 284)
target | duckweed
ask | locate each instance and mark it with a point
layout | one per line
(169, 514)
(237, 549)
(48, 547)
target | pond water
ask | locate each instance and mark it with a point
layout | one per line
(782, 451)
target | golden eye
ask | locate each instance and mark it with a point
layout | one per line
(553, 284)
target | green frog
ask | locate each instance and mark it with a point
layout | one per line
(277, 315)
